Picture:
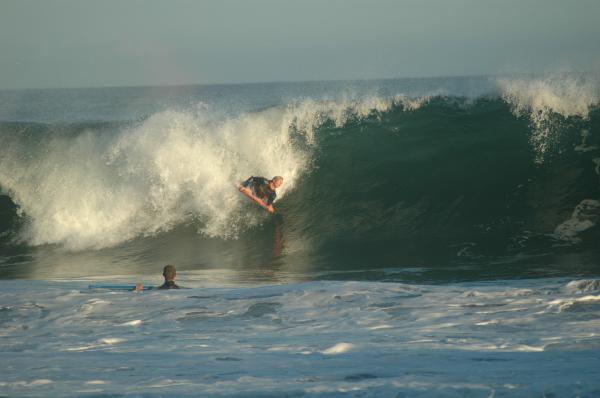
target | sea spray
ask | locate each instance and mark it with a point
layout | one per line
(547, 102)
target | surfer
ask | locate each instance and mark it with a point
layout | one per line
(169, 273)
(262, 191)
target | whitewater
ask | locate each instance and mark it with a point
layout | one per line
(519, 339)
(323, 339)
(433, 237)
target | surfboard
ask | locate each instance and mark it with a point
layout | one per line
(256, 200)
(117, 287)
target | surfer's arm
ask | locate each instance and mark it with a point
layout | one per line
(256, 200)
(138, 287)
(262, 204)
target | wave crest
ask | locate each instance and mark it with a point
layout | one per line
(542, 99)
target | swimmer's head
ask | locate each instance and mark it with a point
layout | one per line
(169, 272)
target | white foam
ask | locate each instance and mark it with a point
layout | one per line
(567, 303)
(584, 217)
(136, 322)
(339, 348)
(533, 335)
(564, 95)
(380, 327)
(82, 348)
(585, 285)
(112, 340)
(542, 98)
(26, 384)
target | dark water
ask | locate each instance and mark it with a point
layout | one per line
(471, 180)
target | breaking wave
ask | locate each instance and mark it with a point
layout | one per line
(388, 178)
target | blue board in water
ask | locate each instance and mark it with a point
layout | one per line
(117, 287)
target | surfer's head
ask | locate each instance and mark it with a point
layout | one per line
(169, 272)
(276, 182)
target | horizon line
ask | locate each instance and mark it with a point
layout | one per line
(240, 83)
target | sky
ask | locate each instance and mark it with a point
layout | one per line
(107, 43)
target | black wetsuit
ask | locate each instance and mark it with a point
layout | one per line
(169, 285)
(260, 187)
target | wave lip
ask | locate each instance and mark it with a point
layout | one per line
(541, 99)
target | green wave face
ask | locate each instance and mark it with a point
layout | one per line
(451, 182)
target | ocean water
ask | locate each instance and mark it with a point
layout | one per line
(433, 237)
